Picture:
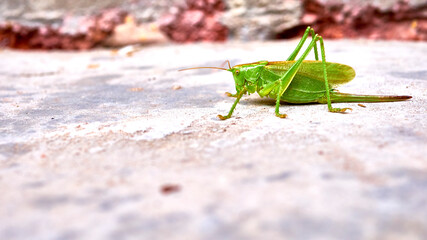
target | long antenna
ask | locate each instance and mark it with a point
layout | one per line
(203, 67)
(226, 61)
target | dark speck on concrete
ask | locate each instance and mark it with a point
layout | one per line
(170, 188)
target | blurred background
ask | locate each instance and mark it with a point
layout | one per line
(79, 24)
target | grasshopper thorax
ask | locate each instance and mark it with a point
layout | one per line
(247, 75)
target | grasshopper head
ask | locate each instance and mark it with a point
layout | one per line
(244, 74)
(239, 77)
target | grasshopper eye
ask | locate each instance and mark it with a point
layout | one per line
(237, 72)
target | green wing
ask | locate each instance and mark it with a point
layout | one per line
(337, 73)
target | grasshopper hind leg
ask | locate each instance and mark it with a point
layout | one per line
(287, 78)
(328, 98)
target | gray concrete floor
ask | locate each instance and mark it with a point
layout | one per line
(96, 146)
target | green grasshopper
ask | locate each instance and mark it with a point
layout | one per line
(300, 81)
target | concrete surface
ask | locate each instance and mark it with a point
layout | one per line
(96, 146)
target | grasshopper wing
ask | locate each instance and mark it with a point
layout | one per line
(337, 73)
(308, 85)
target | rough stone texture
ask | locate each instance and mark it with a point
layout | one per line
(87, 32)
(198, 20)
(37, 12)
(51, 11)
(195, 20)
(382, 19)
(255, 19)
(66, 24)
(404, 20)
(95, 146)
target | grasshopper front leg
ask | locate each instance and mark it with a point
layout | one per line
(239, 95)
(228, 94)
